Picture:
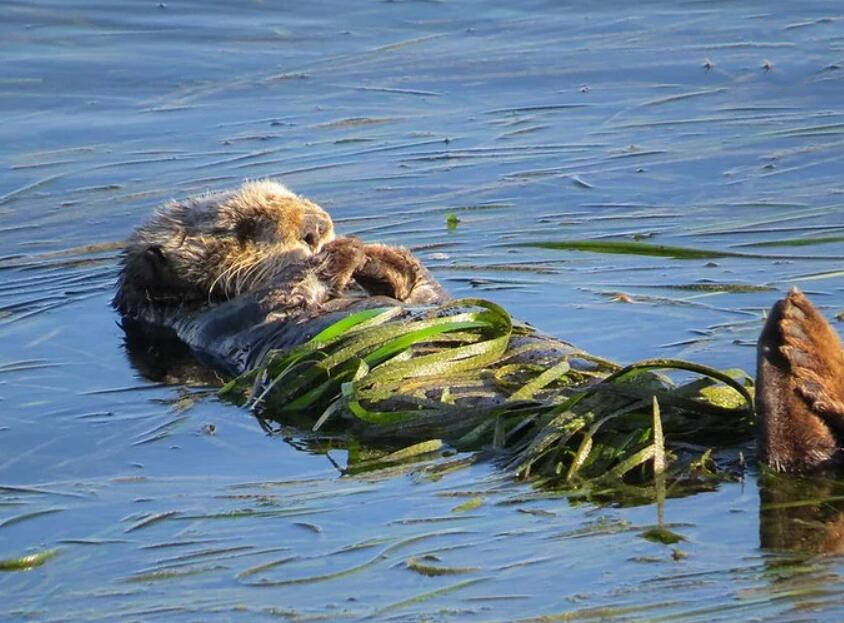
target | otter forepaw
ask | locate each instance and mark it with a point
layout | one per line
(388, 271)
(338, 261)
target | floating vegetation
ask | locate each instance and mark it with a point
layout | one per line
(157, 575)
(422, 566)
(27, 562)
(661, 534)
(632, 248)
(427, 595)
(468, 505)
(709, 286)
(623, 247)
(794, 242)
(466, 373)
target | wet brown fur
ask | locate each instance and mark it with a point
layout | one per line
(799, 388)
(259, 238)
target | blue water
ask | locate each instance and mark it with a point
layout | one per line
(706, 125)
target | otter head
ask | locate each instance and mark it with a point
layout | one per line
(218, 246)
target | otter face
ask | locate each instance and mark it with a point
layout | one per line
(215, 247)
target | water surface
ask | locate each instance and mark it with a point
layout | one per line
(715, 126)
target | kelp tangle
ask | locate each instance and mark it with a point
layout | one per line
(467, 373)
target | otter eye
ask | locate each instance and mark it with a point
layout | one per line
(311, 240)
(246, 229)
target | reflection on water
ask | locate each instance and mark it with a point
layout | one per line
(803, 515)
(714, 127)
(159, 356)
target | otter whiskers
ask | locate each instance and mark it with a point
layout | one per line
(252, 270)
(231, 278)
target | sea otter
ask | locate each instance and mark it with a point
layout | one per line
(239, 274)
(262, 237)
(272, 257)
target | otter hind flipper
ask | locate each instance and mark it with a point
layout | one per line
(799, 388)
(816, 356)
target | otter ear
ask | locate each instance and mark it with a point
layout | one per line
(141, 271)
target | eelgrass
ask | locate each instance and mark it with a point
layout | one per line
(27, 561)
(466, 373)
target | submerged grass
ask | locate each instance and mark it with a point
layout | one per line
(465, 373)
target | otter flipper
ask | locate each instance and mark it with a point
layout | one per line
(816, 356)
(799, 387)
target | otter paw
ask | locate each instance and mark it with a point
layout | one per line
(338, 261)
(388, 271)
